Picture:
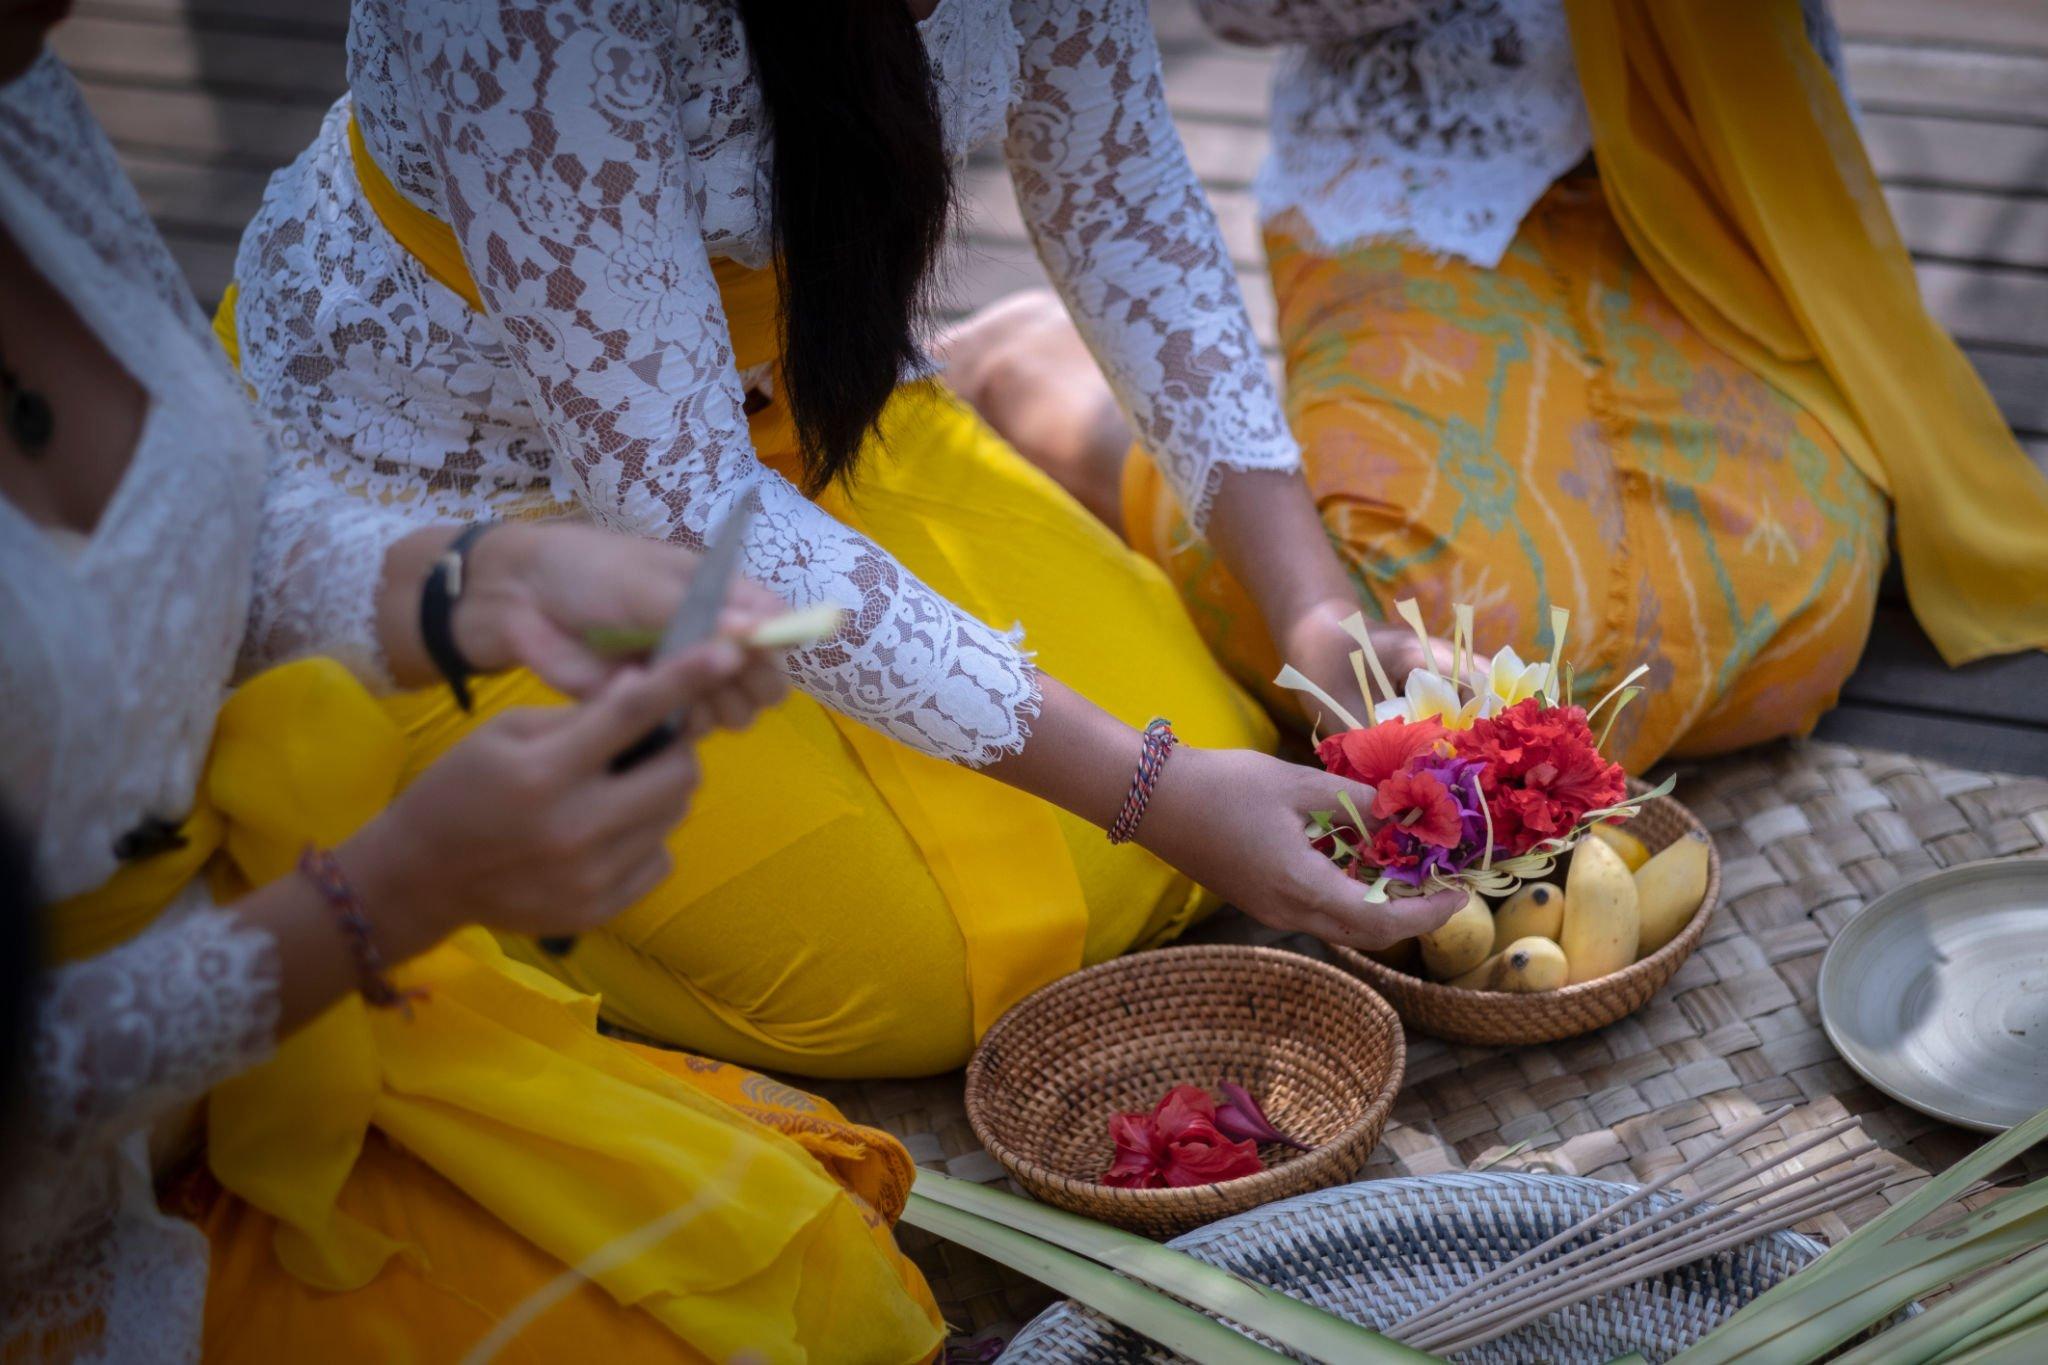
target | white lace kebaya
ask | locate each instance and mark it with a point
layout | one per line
(119, 649)
(592, 156)
(1435, 123)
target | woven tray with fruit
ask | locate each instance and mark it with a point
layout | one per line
(1584, 891)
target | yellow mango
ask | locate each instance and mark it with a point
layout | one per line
(1461, 942)
(1601, 927)
(1669, 889)
(1634, 852)
(1536, 908)
(1528, 964)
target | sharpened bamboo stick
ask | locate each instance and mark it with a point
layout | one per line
(1707, 1222)
(1810, 1204)
(1463, 1292)
(1647, 1232)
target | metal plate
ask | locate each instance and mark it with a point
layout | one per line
(1938, 993)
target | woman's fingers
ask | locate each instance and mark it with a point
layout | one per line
(1320, 792)
(639, 699)
(645, 801)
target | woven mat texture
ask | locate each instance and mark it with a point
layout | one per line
(1808, 833)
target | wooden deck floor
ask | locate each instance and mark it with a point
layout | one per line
(205, 98)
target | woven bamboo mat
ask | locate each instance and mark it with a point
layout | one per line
(1808, 833)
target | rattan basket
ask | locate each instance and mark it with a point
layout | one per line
(1320, 1050)
(1494, 1017)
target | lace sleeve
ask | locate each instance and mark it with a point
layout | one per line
(319, 564)
(1304, 21)
(557, 134)
(1130, 242)
(130, 1034)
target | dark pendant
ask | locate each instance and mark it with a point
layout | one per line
(152, 835)
(29, 418)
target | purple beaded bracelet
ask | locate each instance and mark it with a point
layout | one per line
(1159, 742)
(320, 867)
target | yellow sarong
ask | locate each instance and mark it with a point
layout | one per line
(844, 905)
(754, 1231)
(1735, 171)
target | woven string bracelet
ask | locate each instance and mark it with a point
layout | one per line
(319, 867)
(1159, 742)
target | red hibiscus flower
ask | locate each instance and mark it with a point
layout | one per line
(1375, 753)
(1543, 772)
(1177, 1145)
(1422, 806)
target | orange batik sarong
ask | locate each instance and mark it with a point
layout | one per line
(1552, 432)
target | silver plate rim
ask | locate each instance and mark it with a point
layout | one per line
(1981, 869)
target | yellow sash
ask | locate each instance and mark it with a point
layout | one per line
(501, 1082)
(1739, 179)
(1001, 863)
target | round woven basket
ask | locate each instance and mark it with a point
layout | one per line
(1322, 1053)
(1497, 1017)
(1379, 1251)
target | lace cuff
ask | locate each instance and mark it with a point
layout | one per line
(319, 565)
(128, 1035)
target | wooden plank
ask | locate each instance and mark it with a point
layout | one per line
(1901, 668)
(1988, 305)
(1916, 77)
(208, 265)
(2018, 380)
(292, 69)
(2009, 24)
(1964, 153)
(1982, 746)
(1972, 225)
(1225, 83)
(193, 125)
(1225, 155)
(329, 17)
(215, 201)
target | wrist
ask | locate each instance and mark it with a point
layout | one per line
(1164, 832)
(496, 576)
(391, 873)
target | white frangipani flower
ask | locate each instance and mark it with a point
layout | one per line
(1509, 680)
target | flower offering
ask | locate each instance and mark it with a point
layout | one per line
(1483, 776)
(1190, 1139)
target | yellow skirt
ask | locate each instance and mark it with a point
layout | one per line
(844, 906)
(469, 1284)
(1551, 432)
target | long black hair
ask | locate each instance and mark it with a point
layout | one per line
(861, 192)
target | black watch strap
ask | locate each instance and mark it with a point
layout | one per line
(438, 596)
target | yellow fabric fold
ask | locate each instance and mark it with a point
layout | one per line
(665, 1195)
(1738, 177)
(1005, 871)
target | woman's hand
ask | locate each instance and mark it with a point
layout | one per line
(1236, 821)
(535, 588)
(1316, 644)
(522, 826)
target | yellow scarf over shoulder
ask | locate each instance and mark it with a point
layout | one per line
(734, 1230)
(1737, 175)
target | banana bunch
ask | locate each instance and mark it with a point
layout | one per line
(1619, 903)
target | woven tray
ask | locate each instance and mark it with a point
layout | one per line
(1498, 1018)
(1378, 1251)
(1320, 1050)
